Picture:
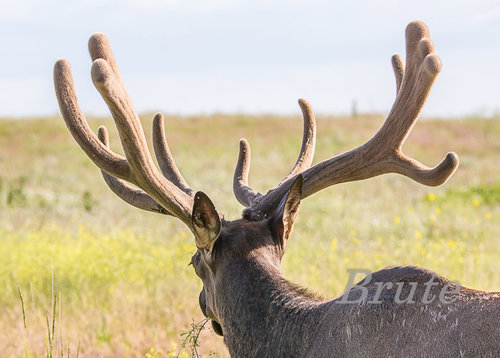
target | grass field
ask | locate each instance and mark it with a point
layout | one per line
(97, 277)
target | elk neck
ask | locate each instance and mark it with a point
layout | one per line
(259, 308)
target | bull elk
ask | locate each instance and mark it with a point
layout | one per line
(250, 303)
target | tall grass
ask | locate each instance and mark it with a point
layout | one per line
(83, 274)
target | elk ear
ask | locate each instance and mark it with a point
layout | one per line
(206, 222)
(286, 213)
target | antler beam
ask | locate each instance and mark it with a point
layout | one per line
(383, 153)
(168, 193)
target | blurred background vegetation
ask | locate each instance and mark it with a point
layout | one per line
(120, 275)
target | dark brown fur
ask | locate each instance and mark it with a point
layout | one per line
(264, 315)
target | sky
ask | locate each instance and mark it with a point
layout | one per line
(249, 56)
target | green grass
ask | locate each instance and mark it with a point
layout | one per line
(120, 278)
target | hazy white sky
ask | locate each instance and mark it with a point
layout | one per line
(254, 56)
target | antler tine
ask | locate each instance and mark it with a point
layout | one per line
(79, 128)
(382, 154)
(422, 68)
(244, 194)
(399, 70)
(306, 154)
(133, 196)
(422, 174)
(99, 47)
(164, 156)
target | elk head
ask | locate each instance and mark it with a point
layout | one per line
(260, 236)
(222, 244)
